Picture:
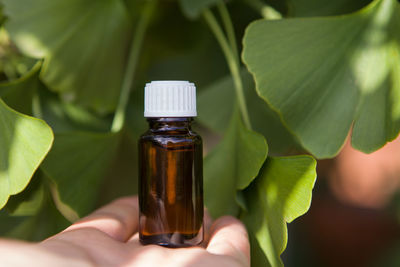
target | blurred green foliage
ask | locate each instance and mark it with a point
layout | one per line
(65, 63)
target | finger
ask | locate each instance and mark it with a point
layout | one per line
(229, 237)
(206, 228)
(134, 240)
(118, 219)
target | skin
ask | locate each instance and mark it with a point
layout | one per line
(108, 237)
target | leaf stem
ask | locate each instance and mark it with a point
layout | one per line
(230, 32)
(119, 117)
(265, 10)
(233, 64)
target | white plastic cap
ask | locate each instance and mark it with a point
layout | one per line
(170, 99)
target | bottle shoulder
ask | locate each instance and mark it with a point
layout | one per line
(164, 138)
(149, 134)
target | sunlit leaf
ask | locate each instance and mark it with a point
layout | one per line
(24, 142)
(231, 166)
(378, 119)
(77, 164)
(83, 43)
(321, 74)
(280, 194)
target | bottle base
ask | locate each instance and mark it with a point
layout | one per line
(172, 240)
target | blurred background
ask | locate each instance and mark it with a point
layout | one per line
(355, 211)
(354, 215)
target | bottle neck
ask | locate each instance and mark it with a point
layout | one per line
(181, 124)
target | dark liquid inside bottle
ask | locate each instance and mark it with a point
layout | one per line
(171, 184)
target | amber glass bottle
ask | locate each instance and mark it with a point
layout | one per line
(171, 169)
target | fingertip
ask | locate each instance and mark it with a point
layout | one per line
(229, 237)
(231, 223)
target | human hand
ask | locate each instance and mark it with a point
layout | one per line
(108, 237)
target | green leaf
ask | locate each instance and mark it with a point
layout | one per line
(31, 215)
(8, 222)
(66, 117)
(211, 113)
(29, 201)
(280, 194)
(23, 206)
(121, 179)
(48, 221)
(231, 166)
(83, 42)
(13, 65)
(192, 9)
(264, 120)
(81, 155)
(18, 93)
(378, 119)
(24, 143)
(1, 14)
(320, 8)
(317, 72)
(76, 165)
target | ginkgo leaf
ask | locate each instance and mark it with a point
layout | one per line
(24, 143)
(338, 70)
(76, 165)
(281, 193)
(231, 166)
(67, 117)
(83, 43)
(46, 222)
(83, 151)
(264, 120)
(29, 201)
(18, 93)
